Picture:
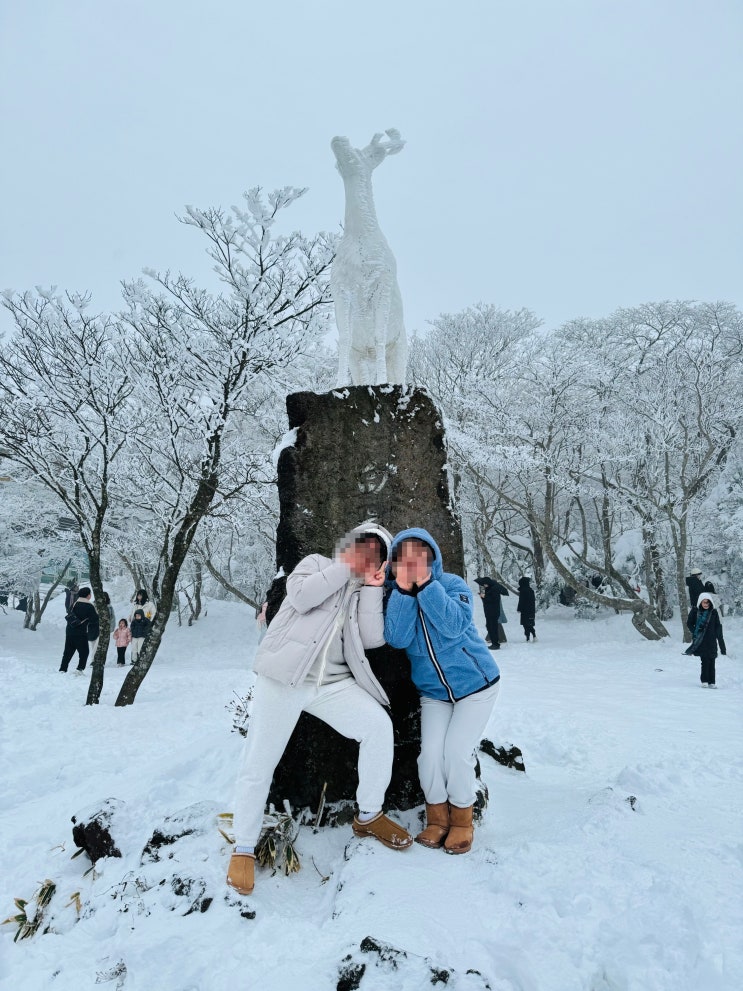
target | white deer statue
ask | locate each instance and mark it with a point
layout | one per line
(372, 346)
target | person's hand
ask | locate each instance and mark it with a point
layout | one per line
(377, 578)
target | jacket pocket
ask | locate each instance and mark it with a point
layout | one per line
(476, 663)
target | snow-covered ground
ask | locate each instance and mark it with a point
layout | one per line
(571, 886)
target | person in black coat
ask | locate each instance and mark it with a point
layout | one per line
(490, 593)
(527, 608)
(140, 629)
(82, 628)
(706, 631)
(695, 585)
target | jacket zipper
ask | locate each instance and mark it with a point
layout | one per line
(434, 659)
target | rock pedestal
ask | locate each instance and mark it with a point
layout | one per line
(362, 452)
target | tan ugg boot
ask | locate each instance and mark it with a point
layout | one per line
(437, 826)
(385, 830)
(241, 873)
(461, 831)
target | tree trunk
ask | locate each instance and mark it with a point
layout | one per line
(96, 583)
(179, 549)
(39, 609)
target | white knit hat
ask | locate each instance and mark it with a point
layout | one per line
(695, 571)
(707, 595)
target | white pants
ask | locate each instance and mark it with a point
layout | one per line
(137, 643)
(275, 710)
(450, 734)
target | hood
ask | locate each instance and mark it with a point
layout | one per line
(138, 612)
(437, 567)
(485, 582)
(707, 595)
(368, 526)
(524, 582)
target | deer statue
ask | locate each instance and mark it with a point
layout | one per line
(372, 346)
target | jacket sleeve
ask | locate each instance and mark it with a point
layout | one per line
(310, 584)
(400, 619)
(691, 619)
(94, 628)
(371, 618)
(448, 610)
(720, 638)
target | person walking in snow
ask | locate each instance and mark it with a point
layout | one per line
(312, 659)
(140, 629)
(527, 608)
(429, 615)
(706, 631)
(82, 628)
(490, 593)
(122, 637)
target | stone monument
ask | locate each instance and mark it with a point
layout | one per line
(368, 450)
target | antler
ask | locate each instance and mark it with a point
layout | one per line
(391, 147)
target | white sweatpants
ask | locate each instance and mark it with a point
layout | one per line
(450, 734)
(346, 707)
(137, 643)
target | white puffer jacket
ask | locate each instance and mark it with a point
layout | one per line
(315, 591)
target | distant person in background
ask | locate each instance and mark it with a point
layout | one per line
(71, 594)
(140, 629)
(695, 585)
(527, 608)
(147, 606)
(122, 637)
(706, 631)
(82, 627)
(490, 593)
(111, 613)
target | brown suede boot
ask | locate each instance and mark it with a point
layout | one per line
(437, 826)
(461, 831)
(241, 873)
(385, 830)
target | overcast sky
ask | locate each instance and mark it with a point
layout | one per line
(570, 156)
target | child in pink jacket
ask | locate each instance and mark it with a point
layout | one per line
(122, 637)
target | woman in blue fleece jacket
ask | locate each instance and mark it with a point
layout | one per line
(429, 615)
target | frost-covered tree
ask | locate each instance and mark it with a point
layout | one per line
(201, 362)
(669, 374)
(32, 542)
(64, 414)
(588, 452)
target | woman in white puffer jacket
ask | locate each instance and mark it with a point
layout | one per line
(312, 660)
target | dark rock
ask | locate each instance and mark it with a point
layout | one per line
(91, 831)
(411, 969)
(349, 975)
(385, 952)
(198, 819)
(192, 889)
(508, 758)
(360, 453)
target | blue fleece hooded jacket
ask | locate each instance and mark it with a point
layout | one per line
(449, 659)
